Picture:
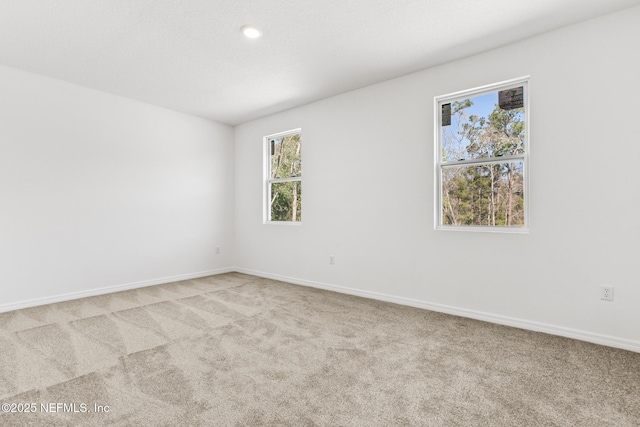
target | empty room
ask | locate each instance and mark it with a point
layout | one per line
(330, 213)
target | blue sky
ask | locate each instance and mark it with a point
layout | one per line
(482, 106)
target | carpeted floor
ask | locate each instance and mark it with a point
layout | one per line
(234, 349)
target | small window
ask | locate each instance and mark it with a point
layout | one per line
(283, 166)
(481, 158)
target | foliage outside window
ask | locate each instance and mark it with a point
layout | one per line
(481, 158)
(284, 177)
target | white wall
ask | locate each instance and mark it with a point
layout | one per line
(368, 192)
(99, 191)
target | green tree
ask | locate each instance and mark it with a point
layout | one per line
(491, 193)
(286, 162)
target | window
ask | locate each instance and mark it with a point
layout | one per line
(481, 158)
(283, 167)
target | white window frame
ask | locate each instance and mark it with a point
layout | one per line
(268, 180)
(440, 165)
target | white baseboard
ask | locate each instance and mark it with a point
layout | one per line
(577, 334)
(607, 340)
(109, 289)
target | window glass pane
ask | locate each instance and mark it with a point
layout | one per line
(479, 195)
(286, 201)
(286, 156)
(481, 126)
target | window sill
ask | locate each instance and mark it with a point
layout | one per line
(285, 223)
(475, 229)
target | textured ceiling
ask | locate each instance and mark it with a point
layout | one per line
(189, 55)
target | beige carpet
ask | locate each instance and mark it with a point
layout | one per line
(234, 349)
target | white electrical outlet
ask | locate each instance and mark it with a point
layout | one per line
(332, 259)
(217, 249)
(606, 293)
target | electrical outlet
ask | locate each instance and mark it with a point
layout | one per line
(332, 259)
(217, 249)
(606, 293)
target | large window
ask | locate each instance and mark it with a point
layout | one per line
(481, 158)
(283, 183)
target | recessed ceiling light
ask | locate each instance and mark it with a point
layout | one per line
(251, 31)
